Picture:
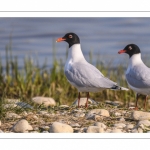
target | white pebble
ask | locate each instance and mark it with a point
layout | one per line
(95, 129)
(46, 101)
(22, 126)
(58, 127)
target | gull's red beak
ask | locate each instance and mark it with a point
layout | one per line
(60, 39)
(121, 51)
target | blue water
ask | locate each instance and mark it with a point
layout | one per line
(103, 36)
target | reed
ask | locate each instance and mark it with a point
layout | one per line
(32, 80)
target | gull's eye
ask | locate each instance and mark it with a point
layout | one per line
(70, 36)
(130, 48)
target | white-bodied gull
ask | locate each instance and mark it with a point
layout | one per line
(137, 73)
(84, 76)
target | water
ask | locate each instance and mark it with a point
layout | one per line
(104, 37)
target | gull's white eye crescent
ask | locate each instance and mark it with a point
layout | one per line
(130, 48)
(70, 36)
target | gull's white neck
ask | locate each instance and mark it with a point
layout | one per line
(75, 53)
(135, 59)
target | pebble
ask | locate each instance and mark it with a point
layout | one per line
(121, 119)
(79, 115)
(35, 117)
(95, 129)
(9, 106)
(116, 131)
(12, 115)
(34, 132)
(83, 101)
(144, 122)
(1, 131)
(24, 113)
(58, 127)
(12, 101)
(119, 125)
(100, 112)
(117, 114)
(129, 126)
(64, 107)
(75, 125)
(42, 112)
(36, 128)
(45, 132)
(46, 101)
(101, 125)
(139, 115)
(134, 131)
(22, 126)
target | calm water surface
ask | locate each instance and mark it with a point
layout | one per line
(35, 37)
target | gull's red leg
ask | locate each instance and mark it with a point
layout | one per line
(137, 96)
(86, 105)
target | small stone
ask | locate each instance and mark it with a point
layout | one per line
(116, 131)
(99, 124)
(36, 128)
(100, 112)
(119, 125)
(12, 115)
(121, 119)
(117, 114)
(75, 125)
(83, 101)
(35, 117)
(24, 113)
(34, 132)
(134, 130)
(139, 115)
(79, 115)
(129, 126)
(21, 126)
(108, 131)
(1, 131)
(58, 127)
(140, 130)
(42, 112)
(45, 127)
(9, 106)
(45, 132)
(95, 129)
(46, 101)
(12, 101)
(30, 127)
(64, 107)
(144, 122)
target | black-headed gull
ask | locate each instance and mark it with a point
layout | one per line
(137, 73)
(84, 76)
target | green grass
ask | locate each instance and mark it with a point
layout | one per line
(33, 80)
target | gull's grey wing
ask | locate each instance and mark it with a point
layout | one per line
(139, 76)
(84, 74)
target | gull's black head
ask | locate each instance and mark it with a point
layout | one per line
(130, 49)
(70, 38)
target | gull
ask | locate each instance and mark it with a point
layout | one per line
(81, 74)
(137, 73)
